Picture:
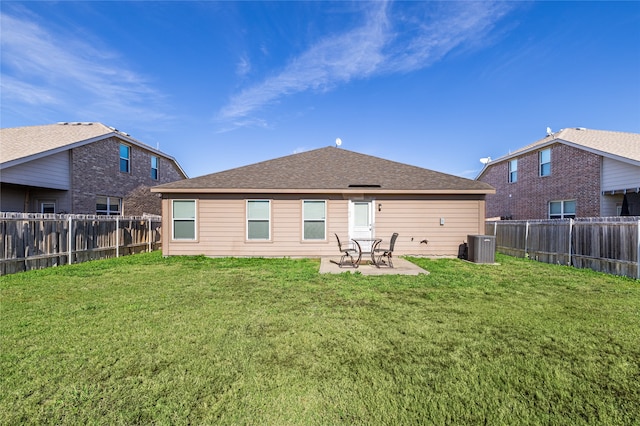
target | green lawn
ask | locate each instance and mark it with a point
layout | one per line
(148, 340)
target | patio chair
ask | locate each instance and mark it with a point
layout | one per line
(350, 256)
(386, 253)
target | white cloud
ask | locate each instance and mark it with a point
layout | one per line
(15, 90)
(42, 66)
(386, 43)
(244, 66)
(333, 60)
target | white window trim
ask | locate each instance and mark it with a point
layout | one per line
(108, 211)
(562, 212)
(120, 158)
(246, 222)
(195, 221)
(324, 221)
(43, 203)
(540, 163)
(156, 168)
(511, 172)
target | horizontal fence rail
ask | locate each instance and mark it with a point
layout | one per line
(37, 241)
(610, 245)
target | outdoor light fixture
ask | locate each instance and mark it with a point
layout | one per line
(379, 207)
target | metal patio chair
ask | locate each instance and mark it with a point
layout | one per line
(386, 253)
(350, 256)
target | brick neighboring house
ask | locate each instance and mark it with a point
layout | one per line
(575, 172)
(81, 168)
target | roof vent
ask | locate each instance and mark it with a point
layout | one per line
(62, 123)
(581, 128)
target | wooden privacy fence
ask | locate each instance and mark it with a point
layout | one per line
(610, 245)
(36, 241)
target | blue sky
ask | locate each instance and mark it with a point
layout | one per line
(219, 85)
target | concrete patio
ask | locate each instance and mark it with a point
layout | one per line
(401, 267)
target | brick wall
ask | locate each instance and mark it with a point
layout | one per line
(575, 175)
(95, 171)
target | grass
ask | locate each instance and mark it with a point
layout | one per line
(150, 340)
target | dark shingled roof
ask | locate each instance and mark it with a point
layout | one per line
(329, 169)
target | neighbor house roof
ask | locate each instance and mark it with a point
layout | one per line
(620, 146)
(22, 144)
(331, 168)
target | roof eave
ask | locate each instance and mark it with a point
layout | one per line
(318, 191)
(554, 141)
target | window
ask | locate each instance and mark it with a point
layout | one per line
(361, 216)
(154, 167)
(125, 158)
(109, 206)
(313, 217)
(513, 171)
(258, 219)
(562, 209)
(545, 162)
(48, 207)
(184, 219)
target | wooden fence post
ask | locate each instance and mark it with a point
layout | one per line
(149, 234)
(570, 236)
(70, 239)
(526, 238)
(638, 253)
(117, 237)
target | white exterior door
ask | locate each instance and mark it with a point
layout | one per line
(361, 223)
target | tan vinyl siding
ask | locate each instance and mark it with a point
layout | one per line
(417, 220)
(221, 226)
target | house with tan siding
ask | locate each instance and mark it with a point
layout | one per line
(575, 172)
(81, 168)
(293, 206)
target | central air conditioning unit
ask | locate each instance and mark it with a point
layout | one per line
(482, 248)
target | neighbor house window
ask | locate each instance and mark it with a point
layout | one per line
(184, 219)
(258, 219)
(48, 207)
(562, 209)
(513, 171)
(154, 167)
(314, 219)
(545, 162)
(109, 206)
(125, 158)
